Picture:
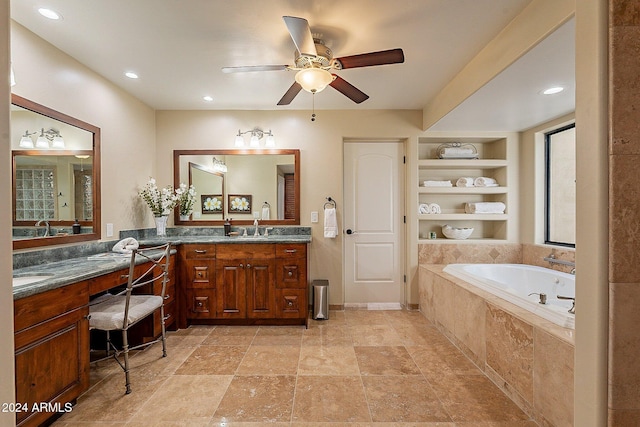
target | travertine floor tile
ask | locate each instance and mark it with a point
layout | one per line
(330, 399)
(212, 360)
(231, 335)
(270, 360)
(184, 397)
(257, 399)
(374, 334)
(385, 360)
(441, 358)
(328, 360)
(327, 336)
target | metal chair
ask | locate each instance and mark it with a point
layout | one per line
(133, 304)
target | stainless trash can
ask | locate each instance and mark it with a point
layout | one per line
(320, 299)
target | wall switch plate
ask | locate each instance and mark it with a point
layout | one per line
(314, 217)
(109, 230)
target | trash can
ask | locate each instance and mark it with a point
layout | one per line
(320, 299)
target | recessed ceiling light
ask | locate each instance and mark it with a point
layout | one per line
(552, 90)
(131, 75)
(48, 13)
(207, 98)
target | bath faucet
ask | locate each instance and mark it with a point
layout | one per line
(572, 310)
(266, 231)
(256, 233)
(47, 230)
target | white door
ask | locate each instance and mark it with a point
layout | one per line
(374, 224)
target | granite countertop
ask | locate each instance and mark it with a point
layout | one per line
(73, 270)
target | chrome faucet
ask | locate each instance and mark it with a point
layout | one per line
(47, 230)
(572, 310)
(256, 233)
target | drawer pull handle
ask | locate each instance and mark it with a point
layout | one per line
(290, 273)
(88, 317)
(290, 303)
(124, 276)
(166, 317)
(167, 296)
(201, 251)
(199, 303)
(248, 265)
(290, 251)
(241, 265)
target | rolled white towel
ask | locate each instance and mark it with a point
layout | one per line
(437, 184)
(484, 207)
(125, 246)
(483, 181)
(434, 208)
(465, 181)
(424, 208)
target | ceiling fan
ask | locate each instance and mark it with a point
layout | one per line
(313, 62)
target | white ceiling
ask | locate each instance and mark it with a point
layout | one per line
(178, 48)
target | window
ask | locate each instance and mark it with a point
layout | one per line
(560, 185)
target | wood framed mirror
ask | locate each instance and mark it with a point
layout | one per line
(53, 185)
(262, 183)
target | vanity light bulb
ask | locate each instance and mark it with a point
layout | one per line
(58, 143)
(42, 142)
(270, 141)
(239, 141)
(26, 142)
(254, 142)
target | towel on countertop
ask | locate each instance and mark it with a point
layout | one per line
(483, 181)
(465, 181)
(484, 207)
(125, 246)
(330, 223)
(437, 183)
(266, 212)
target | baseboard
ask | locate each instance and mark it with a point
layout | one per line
(373, 306)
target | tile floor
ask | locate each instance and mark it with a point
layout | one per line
(360, 368)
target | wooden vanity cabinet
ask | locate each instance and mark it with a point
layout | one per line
(291, 281)
(51, 351)
(198, 263)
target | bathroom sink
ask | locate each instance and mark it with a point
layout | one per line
(30, 279)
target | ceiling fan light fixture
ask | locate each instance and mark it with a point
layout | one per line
(313, 80)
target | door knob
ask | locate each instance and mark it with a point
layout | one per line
(350, 231)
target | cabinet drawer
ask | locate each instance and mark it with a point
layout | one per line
(291, 303)
(250, 250)
(37, 308)
(291, 250)
(201, 304)
(291, 273)
(199, 251)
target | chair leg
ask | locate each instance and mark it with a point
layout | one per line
(125, 350)
(108, 349)
(164, 337)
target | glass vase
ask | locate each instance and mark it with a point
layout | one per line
(161, 225)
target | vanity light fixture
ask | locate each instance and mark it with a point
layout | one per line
(219, 166)
(26, 141)
(256, 135)
(48, 136)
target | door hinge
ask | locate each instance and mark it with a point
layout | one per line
(405, 278)
(404, 219)
(404, 159)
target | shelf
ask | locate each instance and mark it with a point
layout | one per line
(463, 241)
(462, 190)
(463, 217)
(461, 164)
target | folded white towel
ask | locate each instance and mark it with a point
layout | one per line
(125, 246)
(424, 208)
(483, 181)
(457, 151)
(330, 223)
(484, 207)
(437, 184)
(266, 212)
(465, 181)
(434, 208)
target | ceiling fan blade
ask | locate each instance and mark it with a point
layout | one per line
(393, 56)
(249, 68)
(348, 90)
(301, 35)
(290, 94)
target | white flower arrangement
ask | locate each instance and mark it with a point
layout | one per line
(186, 198)
(159, 200)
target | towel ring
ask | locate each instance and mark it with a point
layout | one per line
(266, 205)
(330, 203)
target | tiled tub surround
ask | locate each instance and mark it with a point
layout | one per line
(530, 358)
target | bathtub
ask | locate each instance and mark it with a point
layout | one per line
(515, 283)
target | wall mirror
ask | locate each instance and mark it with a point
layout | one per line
(241, 185)
(55, 176)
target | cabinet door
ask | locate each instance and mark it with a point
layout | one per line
(260, 283)
(231, 289)
(52, 363)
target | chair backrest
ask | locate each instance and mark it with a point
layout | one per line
(148, 267)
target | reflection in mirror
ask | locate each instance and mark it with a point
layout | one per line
(257, 183)
(56, 178)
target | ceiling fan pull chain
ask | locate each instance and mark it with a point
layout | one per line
(313, 104)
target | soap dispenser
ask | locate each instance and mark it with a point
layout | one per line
(76, 227)
(227, 226)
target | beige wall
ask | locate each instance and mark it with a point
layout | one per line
(50, 77)
(6, 298)
(320, 145)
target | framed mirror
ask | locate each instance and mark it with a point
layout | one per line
(55, 176)
(240, 185)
